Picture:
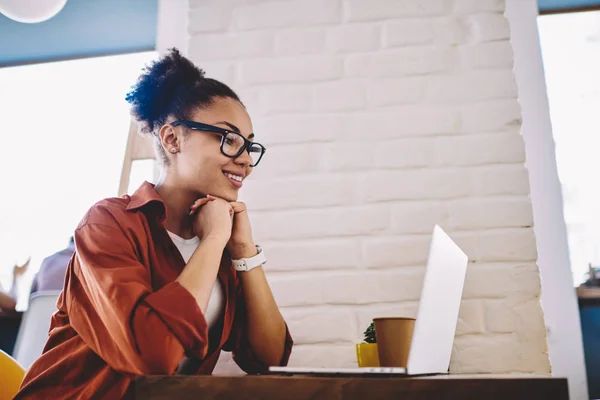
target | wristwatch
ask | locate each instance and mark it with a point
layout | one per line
(247, 264)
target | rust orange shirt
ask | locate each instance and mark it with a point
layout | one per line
(121, 314)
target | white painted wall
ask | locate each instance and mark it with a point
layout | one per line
(383, 117)
(172, 25)
(558, 295)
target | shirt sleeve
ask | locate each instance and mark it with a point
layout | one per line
(114, 310)
(239, 345)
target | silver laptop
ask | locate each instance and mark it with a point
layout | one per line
(436, 319)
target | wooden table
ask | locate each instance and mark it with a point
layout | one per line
(302, 388)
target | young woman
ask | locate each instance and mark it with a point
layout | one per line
(163, 280)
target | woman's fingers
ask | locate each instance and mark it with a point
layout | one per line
(199, 203)
(237, 206)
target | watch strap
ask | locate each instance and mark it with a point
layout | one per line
(247, 264)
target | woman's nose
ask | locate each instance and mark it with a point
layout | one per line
(244, 159)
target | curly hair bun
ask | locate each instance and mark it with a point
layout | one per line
(163, 88)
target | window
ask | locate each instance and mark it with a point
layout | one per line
(65, 127)
(571, 53)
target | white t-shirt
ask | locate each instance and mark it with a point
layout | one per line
(216, 303)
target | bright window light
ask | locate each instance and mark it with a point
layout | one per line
(65, 127)
(571, 53)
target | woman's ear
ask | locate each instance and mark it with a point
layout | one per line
(169, 139)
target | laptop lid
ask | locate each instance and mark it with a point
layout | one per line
(437, 315)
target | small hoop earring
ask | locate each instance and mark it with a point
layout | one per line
(173, 150)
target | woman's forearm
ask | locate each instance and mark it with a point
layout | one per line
(200, 273)
(265, 325)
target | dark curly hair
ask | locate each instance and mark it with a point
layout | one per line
(172, 86)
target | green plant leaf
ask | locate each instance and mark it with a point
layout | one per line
(370, 334)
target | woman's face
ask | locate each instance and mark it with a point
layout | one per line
(199, 164)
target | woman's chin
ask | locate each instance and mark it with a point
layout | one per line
(232, 197)
(229, 195)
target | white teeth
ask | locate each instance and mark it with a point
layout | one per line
(234, 177)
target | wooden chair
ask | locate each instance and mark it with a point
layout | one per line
(11, 376)
(138, 148)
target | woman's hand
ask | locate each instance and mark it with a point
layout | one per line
(213, 217)
(241, 244)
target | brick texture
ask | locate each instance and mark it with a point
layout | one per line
(381, 119)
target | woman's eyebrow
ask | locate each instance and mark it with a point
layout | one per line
(233, 128)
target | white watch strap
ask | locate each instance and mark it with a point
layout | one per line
(246, 264)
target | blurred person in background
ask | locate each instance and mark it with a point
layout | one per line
(8, 300)
(51, 275)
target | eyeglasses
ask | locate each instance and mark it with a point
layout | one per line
(233, 143)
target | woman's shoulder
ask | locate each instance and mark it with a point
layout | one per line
(110, 212)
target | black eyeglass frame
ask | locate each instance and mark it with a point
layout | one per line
(199, 126)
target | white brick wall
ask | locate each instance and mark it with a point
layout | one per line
(382, 118)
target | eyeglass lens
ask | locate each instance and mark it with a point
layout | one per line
(232, 143)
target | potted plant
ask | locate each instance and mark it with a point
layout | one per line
(366, 352)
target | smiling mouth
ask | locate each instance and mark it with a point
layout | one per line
(236, 180)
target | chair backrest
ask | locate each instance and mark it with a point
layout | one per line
(138, 148)
(11, 376)
(33, 332)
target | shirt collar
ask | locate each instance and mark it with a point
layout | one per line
(143, 196)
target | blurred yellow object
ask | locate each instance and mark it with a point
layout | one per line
(366, 355)
(11, 376)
